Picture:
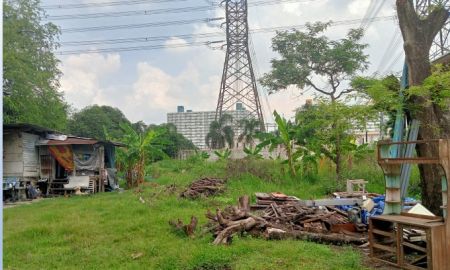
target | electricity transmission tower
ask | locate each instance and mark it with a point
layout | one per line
(441, 44)
(238, 86)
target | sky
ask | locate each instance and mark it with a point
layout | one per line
(147, 84)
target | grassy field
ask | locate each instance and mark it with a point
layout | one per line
(104, 231)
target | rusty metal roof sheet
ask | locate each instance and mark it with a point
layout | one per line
(68, 141)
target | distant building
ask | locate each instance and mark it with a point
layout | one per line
(195, 125)
(373, 131)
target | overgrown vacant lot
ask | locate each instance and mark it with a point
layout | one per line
(104, 231)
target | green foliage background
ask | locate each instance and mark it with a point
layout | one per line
(30, 69)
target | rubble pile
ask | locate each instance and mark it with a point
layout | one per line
(204, 187)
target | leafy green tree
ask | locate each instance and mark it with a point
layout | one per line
(321, 126)
(220, 133)
(30, 68)
(141, 149)
(306, 56)
(97, 121)
(250, 127)
(173, 141)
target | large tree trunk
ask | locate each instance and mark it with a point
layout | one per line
(418, 34)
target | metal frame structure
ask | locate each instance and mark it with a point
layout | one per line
(441, 43)
(238, 83)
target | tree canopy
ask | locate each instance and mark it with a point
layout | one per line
(172, 141)
(308, 55)
(98, 122)
(31, 74)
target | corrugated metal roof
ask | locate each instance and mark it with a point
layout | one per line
(68, 141)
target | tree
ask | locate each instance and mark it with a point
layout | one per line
(30, 68)
(250, 127)
(98, 122)
(173, 141)
(220, 133)
(418, 33)
(305, 55)
(320, 126)
(308, 55)
(141, 149)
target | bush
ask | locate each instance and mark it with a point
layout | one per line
(267, 170)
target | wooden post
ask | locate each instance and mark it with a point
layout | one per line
(102, 176)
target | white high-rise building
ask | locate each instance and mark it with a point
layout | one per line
(195, 125)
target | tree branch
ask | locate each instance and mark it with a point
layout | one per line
(346, 91)
(318, 89)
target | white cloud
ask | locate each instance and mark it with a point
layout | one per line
(176, 44)
(81, 82)
(156, 93)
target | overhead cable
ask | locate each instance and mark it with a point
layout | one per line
(140, 25)
(162, 11)
(187, 36)
(168, 23)
(140, 48)
(105, 4)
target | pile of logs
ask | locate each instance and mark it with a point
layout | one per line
(284, 219)
(203, 187)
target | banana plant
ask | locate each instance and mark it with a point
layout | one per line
(223, 154)
(307, 160)
(253, 153)
(284, 137)
(141, 148)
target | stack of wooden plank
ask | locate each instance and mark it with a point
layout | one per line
(204, 187)
(263, 200)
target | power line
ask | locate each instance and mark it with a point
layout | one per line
(393, 62)
(140, 48)
(129, 13)
(187, 36)
(139, 39)
(163, 11)
(372, 12)
(392, 46)
(141, 25)
(204, 35)
(168, 23)
(106, 4)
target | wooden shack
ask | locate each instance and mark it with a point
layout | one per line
(56, 163)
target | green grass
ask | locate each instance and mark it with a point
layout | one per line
(104, 230)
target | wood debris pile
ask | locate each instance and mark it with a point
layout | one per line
(284, 219)
(204, 187)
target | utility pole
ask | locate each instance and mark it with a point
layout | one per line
(238, 89)
(441, 43)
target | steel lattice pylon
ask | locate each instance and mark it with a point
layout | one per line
(441, 44)
(238, 80)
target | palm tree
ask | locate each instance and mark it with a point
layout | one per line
(220, 133)
(250, 129)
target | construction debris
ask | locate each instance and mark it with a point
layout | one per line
(204, 187)
(283, 217)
